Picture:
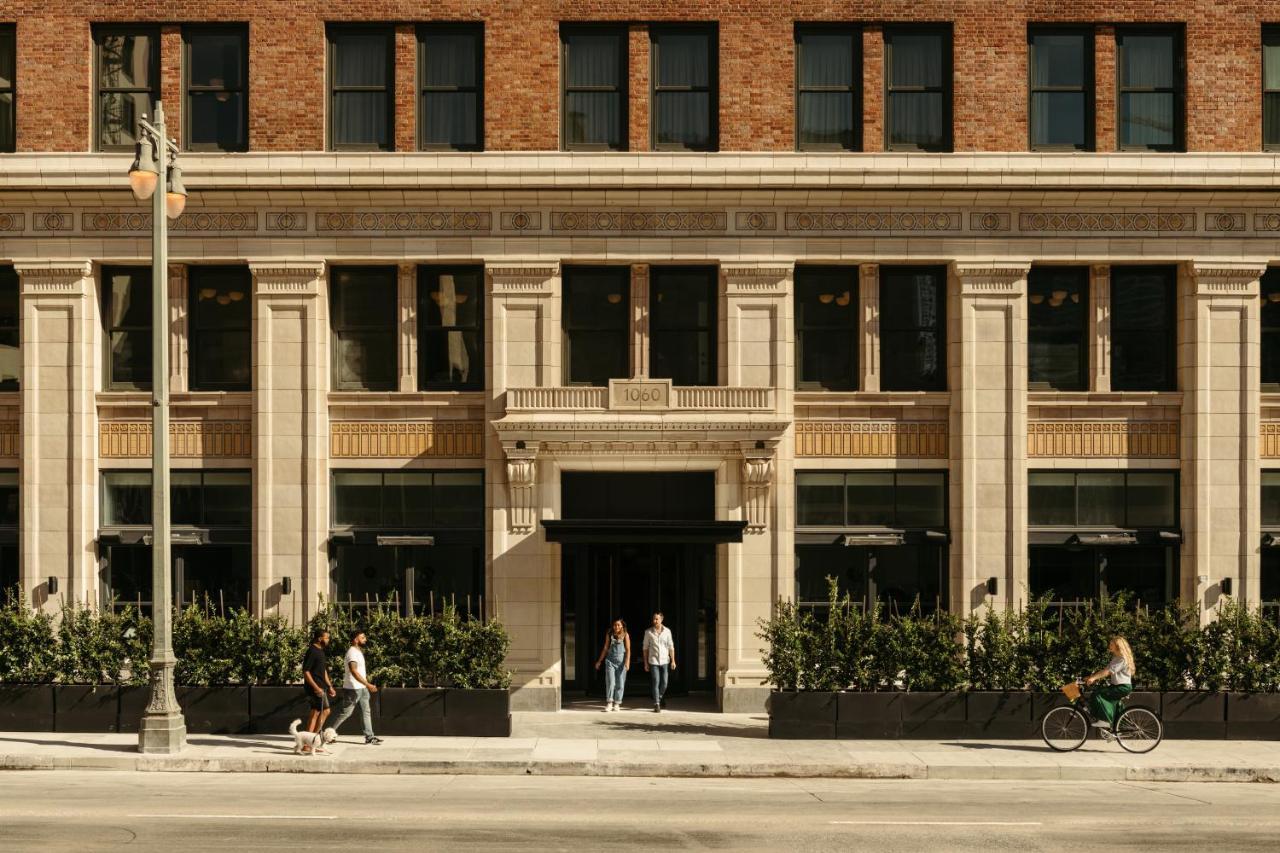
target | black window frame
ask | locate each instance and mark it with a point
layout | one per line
(1178, 90)
(1174, 474)
(195, 381)
(1270, 38)
(188, 30)
(1171, 327)
(622, 89)
(711, 328)
(382, 523)
(712, 33)
(1269, 284)
(389, 90)
(475, 31)
(568, 328)
(947, 89)
(426, 273)
(109, 382)
(1272, 524)
(98, 32)
(9, 277)
(940, 329)
(1088, 88)
(391, 279)
(854, 33)
(855, 376)
(9, 34)
(202, 523)
(1082, 333)
(893, 524)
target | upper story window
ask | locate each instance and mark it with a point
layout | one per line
(901, 499)
(451, 328)
(197, 498)
(828, 84)
(126, 82)
(8, 499)
(8, 74)
(361, 97)
(917, 88)
(1100, 499)
(1271, 499)
(408, 499)
(1271, 87)
(126, 318)
(1152, 74)
(826, 328)
(220, 325)
(10, 356)
(682, 324)
(597, 305)
(1058, 328)
(594, 79)
(362, 308)
(217, 73)
(684, 107)
(451, 77)
(1143, 329)
(913, 329)
(1270, 287)
(1061, 105)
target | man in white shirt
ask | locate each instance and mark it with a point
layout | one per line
(659, 657)
(356, 688)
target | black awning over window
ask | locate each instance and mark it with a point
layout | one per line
(604, 530)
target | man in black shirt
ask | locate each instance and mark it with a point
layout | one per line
(318, 687)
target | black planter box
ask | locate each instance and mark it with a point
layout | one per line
(1193, 715)
(405, 711)
(272, 709)
(133, 704)
(86, 708)
(26, 708)
(477, 713)
(869, 716)
(807, 715)
(1000, 715)
(218, 710)
(933, 715)
(1253, 716)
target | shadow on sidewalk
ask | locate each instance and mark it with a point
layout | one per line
(105, 747)
(999, 746)
(708, 729)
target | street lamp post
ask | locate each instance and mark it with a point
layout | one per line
(163, 729)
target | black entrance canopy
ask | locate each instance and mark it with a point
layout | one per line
(631, 530)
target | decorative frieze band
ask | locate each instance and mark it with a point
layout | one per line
(760, 280)
(874, 221)
(53, 277)
(526, 279)
(1269, 440)
(991, 279)
(187, 439)
(406, 439)
(10, 439)
(191, 221)
(642, 221)
(1095, 439)
(403, 221)
(1138, 222)
(1228, 278)
(872, 439)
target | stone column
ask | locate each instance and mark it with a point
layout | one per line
(59, 446)
(869, 327)
(291, 435)
(1100, 328)
(638, 325)
(179, 330)
(523, 581)
(988, 370)
(407, 325)
(1219, 360)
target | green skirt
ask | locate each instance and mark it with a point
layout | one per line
(1105, 701)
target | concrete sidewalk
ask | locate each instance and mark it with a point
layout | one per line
(638, 743)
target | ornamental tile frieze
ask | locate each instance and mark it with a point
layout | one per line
(872, 439)
(403, 221)
(187, 439)
(873, 221)
(192, 221)
(406, 439)
(640, 221)
(1098, 439)
(1104, 222)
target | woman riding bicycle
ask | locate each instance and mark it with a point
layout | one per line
(1105, 701)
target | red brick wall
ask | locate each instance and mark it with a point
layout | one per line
(286, 64)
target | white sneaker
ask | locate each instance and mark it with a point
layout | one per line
(617, 706)
(1101, 724)
(608, 706)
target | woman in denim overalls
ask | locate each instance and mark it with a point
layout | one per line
(615, 657)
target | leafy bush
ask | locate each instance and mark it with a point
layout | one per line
(102, 647)
(28, 644)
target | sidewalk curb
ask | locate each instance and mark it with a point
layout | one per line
(707, 770)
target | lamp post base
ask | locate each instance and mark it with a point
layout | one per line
(162, 734)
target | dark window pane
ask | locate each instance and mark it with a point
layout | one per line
(827, 359)
(816, 563)
(1058, 60)
(1100, 498)
(130, 571)
(1058, 118)
(912, 323)
(683, 87)
(825, 59)
(357, 498)
(367, 575)
(1143, 331)
(906, 575)
(451, 358)
(1051, 499)
(1145, 575)
(8, 498)
(1270, 118)
(364, 360)
(449, 118)
(871, 498)
(915, 59)
(826, 327)
(130, 300)
(684, 59)
(1271, 498)
(360, 118)
(917, 119)
(1270, 289)
(216, 574)
(7, 122)
(682, 325)
(450, 311)
(449, 59)
(683, 118)
(820, 498)
(1067, 574)
(124, 60)
(445, 573)
(228, 498)
(217, 119)
(1149, 107)
(921, 500)
(913, 361)
(592, 60)
(826, 118)
(453, 298)
(406, 499)
(216, 60)
(184, 497)
(596, 357)
(1152, 500)
(1148, 119)
(130, 358)
(686, 358)
(596, 303)
(118, 114)
(364, 324)
(8, 57)
(221, 324)
(593, 118)
(10, 357)
(1057, 327)
(459, 499)
(359, 59)
(593, 112)
(1271, 59)
(1147, 60)
(126, 498)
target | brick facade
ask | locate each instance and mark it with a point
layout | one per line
(287, 81)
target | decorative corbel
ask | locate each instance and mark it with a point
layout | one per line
(757, 477)
(522, 469)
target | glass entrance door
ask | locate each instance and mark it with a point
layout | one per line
(8, 571)
(603, 582)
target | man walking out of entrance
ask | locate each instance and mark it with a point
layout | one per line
(659, 657)
(356, 688)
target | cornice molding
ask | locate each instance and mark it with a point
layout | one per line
(1227, 278)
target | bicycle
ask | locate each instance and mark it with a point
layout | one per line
(1066, 727)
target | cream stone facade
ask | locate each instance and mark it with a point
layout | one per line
(989, 219)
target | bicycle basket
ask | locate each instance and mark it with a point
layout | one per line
(1071, 691)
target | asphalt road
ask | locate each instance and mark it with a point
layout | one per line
(81, 811)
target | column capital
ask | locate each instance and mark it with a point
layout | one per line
(758, 279)
(523, 278)
(286, 275)
(1227, 278)
(61, 277)
(522, 471)
(1002, 277)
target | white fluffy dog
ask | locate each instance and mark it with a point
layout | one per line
(303, 738)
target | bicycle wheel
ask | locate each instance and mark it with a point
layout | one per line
(1064, 729)
(1139, 730)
